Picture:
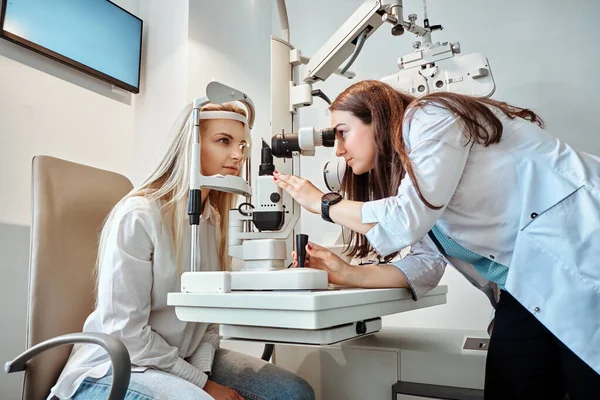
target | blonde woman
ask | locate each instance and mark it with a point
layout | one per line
(143, 251)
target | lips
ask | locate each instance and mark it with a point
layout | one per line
(232, 169)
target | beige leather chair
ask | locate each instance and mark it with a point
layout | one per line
(69, 204)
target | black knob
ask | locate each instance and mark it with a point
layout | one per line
(301, 242)
(361, 327)
(275, 197)
(266, 166)
(397, 30)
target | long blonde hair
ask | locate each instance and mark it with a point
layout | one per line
(169, 183)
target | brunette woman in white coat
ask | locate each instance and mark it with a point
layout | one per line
(480, 184)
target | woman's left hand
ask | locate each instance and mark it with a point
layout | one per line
(303, 191)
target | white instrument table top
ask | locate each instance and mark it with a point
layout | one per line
(299, 309)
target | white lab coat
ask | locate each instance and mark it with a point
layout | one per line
(530, 203)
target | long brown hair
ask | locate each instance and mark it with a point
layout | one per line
(386, 110)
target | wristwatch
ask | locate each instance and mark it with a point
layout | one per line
(328, 200)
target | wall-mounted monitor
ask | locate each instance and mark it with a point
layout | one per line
(95, 36)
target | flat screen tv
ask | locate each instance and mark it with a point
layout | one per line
(95, 36)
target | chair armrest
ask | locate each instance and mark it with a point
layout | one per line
(119, 357)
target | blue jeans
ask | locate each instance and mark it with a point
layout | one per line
(251, 377)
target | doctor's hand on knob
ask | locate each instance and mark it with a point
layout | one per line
(320, 258)
(302, 190)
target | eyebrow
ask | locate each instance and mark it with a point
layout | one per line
(228, 136)
(341, 123)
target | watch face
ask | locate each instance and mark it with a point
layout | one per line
(331, 197)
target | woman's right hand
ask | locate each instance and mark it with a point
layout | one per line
(220, 392)
(320, 258)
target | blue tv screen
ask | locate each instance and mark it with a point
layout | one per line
(95, 36)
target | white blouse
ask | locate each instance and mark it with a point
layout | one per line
(137, 271)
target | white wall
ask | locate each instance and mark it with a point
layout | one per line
(43, 114)
(47, 108)
(543, 55)
(163, 80)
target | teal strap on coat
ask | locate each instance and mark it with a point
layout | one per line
(490, 270)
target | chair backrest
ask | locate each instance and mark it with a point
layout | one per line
(69, 204)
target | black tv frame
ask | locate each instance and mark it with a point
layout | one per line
(68, 61)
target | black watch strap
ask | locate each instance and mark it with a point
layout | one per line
(325, 204)
(325, 211)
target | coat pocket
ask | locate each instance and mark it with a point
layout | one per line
(544, 191)
(569, 231)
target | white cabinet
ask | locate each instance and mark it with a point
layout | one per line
(367, 368)
(340, 372)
